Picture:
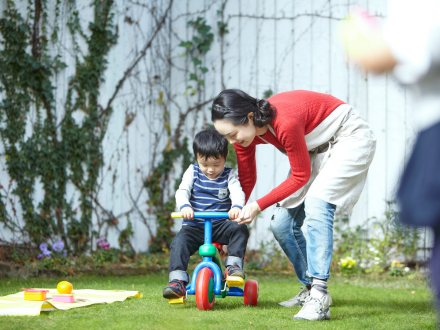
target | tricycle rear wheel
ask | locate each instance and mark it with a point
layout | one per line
(205, 295)
(250, 293)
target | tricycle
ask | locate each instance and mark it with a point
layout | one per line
(208, 280)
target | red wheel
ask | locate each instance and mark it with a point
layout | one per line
(218, 246)
(205, 295)
(250, 293)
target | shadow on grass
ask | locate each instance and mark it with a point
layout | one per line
(261, 304)
(381, 307)
(344, 306)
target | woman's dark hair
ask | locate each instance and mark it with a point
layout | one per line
(210, 143)
(235, 105)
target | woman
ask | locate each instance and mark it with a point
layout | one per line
(330, 148)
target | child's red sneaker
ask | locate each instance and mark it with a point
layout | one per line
(234, 271)
(175, 289)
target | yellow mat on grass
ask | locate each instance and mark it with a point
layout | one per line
(15, 305)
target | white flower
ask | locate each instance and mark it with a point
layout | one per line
(406, 269)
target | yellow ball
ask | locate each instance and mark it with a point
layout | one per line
(64, 287)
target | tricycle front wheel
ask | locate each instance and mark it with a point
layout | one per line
(205, 296)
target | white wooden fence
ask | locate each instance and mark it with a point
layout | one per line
(272, 44)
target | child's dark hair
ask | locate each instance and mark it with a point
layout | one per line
(210, 143)
(235, 105)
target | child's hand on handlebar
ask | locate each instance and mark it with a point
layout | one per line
(187, 212)
(234, 213)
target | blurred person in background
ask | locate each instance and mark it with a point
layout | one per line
(409, 46)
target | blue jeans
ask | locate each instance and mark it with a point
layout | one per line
(312, 258)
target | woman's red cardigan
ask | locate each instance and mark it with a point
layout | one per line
(297, 114)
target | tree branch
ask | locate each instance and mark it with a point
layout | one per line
(182, 119)
(141, 55)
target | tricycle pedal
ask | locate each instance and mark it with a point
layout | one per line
(234, 281)
(175, 301)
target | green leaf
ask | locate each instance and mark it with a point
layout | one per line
(205, 48)
(222, 28)
(204, 29)
(204, 70)
(267, 93)
(196, 61)
(186, 44)
(197, 40)
(192, 76)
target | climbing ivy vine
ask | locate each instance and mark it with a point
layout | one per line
(160, 204)
(195, 49)
(38, 145)
(47, 148)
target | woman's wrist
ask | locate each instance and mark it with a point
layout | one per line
(257, 206)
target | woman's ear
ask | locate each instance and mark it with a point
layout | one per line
(251, 117)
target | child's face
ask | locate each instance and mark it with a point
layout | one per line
(211, 167)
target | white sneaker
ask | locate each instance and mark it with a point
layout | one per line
(316, 307)
(298, 300)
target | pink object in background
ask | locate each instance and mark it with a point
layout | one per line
(64, 298)
(365, 17)
(360, 33)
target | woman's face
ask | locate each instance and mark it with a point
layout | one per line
(241, 134)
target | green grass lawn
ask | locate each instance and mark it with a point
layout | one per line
(363, 303)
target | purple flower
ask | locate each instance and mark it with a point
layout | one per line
(58, 246)
(64, 252)
(258, 265)
(264, 264)
(102, 242)
(47, 253)
(99, 240)
(43, 247)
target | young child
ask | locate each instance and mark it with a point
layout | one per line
(207, 186)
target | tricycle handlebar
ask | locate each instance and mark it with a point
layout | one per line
(206, 215)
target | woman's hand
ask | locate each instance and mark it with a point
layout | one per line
(248, 213)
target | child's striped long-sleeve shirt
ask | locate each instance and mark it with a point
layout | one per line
(203, 194)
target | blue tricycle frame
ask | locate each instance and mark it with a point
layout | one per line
(212, 260)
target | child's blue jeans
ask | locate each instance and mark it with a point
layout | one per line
(189, 239)
(311, 258)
